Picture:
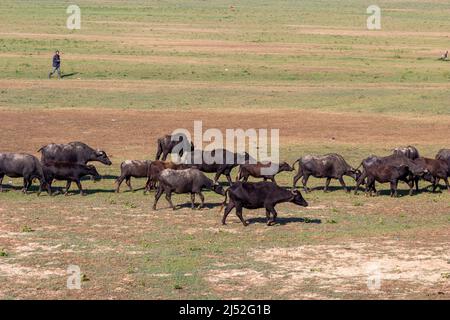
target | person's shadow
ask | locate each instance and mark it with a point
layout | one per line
(69, 74)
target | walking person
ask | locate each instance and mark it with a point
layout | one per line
(56, 65)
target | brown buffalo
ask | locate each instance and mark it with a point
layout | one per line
(437, 169)
(256, 170)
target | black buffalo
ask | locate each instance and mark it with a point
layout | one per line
(167, 143)
(410, 152)
(218, 161)
(190, 181)
(255, 195)
(74, 152)
(329, 166)
(22, 165)
(132, 168)
(392, 168)
(70, 172)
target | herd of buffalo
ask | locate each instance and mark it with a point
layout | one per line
(69, 162)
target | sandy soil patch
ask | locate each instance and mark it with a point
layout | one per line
(360, 268)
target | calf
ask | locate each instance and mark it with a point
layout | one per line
(257, 195)
(132, 168)
(329, 166)
(437, 168)
(218, 161)
(70, 172)
(185, 181)
(255, 170)
(22, 165)
(388, 173)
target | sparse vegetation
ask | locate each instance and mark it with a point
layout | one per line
(310, 70)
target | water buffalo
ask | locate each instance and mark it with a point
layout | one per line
(22, 165)
(255, 195)
(70, 172)
(185, 181)
(156, 167)
(410, 152)
(437, 168)
(74, 152)
(444, 154)
(255, 170)
(392, 168)
(167, 143)
(219, 161)
(132, 168)
(329, 166)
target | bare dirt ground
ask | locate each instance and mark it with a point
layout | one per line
(123, 132)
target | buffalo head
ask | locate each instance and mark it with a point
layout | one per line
(92, 171)
(298, 199)
(355, 174)
(284, 166)
(101, 156)
(217, 188)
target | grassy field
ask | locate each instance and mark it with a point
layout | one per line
(140, 69)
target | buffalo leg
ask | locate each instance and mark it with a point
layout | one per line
(394, 188)
(230, 182)
(342, 182)
(67, 187)
(202, 199)
(369, 183)
(446, 183)
(25, 185)
(228, 209)
(217, 176)
(239, 214)
(169, 198)
(360, 181)
(434, 185)
(304, 182)
(274, 214)
(80, 187)
(49, 188)
(411, 186)
(119, 182)
(157, 196)
(192, 200)
(158, 154)
(327, 184)
(128, 182)
(1, 181)
(147, 185)
(296, 178)
(416, 182)
(267, 216)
